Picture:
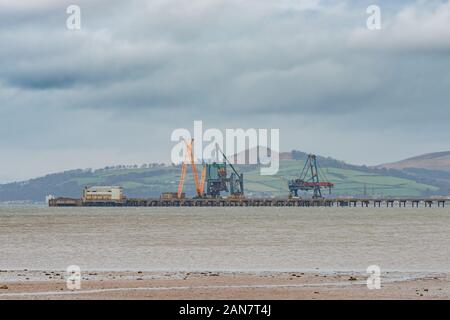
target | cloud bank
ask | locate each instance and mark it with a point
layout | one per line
(113, 91)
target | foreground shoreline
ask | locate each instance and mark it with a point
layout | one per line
(40, 284)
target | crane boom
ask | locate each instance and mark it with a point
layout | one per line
(189, 158)
(194, 169)
(202, 182)
(181, 183)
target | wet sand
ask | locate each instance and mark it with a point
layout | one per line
(26, 284)
(319, 241)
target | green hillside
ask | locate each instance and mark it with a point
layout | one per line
(347, 182)
(151, 181)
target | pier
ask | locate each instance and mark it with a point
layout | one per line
(255, 202)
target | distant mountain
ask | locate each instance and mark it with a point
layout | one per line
(150, 180)
(438, 161)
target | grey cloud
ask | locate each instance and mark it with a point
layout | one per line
(156, 65)
(212, 54)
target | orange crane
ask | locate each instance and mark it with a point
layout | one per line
(189, 157)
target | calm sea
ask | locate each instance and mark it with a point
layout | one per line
(225, 239)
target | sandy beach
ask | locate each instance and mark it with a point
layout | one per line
(249, 253)
(25, 284)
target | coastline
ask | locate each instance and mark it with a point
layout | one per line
(45, 284)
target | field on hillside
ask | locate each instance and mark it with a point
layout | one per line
(347, 182)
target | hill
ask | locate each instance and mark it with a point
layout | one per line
(438, 161)
(151, 180)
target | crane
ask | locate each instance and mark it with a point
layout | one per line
(311, 182)
(217, 179)
(189, 158)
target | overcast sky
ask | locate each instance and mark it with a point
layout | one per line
(112, 92)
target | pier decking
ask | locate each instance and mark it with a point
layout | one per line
(255, 202)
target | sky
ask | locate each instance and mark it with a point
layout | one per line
(113, 91)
